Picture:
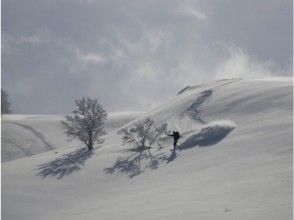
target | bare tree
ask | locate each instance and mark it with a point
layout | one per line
(5, 104)
(86, 123)
(143, 134)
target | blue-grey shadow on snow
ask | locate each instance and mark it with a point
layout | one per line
(66, 164)
(172, 156)
(206, 137)
(141, 159)
(135, 163)
(137, 160)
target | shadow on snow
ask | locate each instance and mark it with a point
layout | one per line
(135, 163)
(66, 164)
(141, 159)
(206, 137)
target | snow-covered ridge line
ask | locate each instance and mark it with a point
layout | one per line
(225, 81)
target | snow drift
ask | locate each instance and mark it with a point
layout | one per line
(208, 135)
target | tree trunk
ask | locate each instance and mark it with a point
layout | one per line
(90, 144)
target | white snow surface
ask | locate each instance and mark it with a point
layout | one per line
(27, 135)
(234, 161)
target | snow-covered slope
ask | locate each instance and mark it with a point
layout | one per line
(27, 135)
(234, 162)
(20, 140)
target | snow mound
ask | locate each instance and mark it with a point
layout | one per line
(19, 140)
(209, 134)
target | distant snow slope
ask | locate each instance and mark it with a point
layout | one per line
(233, 162)
(27, 135)
(19, 140)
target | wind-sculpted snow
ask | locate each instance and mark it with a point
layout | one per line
(183, 90)
(208, 135)
(212, 85)
(196, 107)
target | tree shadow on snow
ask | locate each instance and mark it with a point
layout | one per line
(137, 162)
(66, 164)
(206, 137)
(139, 159)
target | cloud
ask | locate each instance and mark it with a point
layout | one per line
(237, 63)
(87, 1)
(189, 10)
(92, 58)
(131, 54)
(11, 44)
(40, 36)
(7, 44)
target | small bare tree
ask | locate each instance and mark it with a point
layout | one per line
(143, 134)
(5, 104)
(86, 123)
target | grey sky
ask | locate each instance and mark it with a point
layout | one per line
(134, 54)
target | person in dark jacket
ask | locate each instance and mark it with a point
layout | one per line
(176, 136)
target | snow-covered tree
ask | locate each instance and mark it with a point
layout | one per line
(86, 123)
(142, 134)
(5, 104)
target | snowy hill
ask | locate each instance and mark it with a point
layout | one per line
(27, 135)
(20, 140)
(234, 161)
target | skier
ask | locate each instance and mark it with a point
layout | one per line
(176, 136)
